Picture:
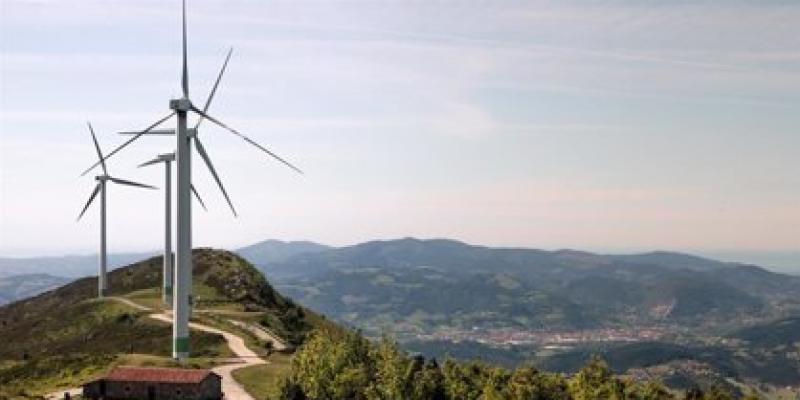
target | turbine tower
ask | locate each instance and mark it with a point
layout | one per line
(167, 270)
(183, 255)
(102, 281)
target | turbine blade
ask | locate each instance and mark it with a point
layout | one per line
(130, 183)
(200, 149)
(138, 135)
(247, 139)
(91, 198)
(197, 195)
(151, 162)
(216, 84)
(152, 132)
(185, 77)
(97, 147)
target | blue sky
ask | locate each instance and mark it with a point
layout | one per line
(613, 126)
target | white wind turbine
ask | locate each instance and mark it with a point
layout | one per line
(193, 132)
(102, 281)
(183, 269)
(167, 271)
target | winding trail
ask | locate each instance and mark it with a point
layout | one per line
(261, 333)
(244, 356)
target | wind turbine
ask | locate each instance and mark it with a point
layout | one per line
(183, 269)
(167, 271)
(102, 282)
(193, 132)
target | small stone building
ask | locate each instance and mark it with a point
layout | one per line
(128, 383)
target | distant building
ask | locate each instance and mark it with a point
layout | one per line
(129, 383)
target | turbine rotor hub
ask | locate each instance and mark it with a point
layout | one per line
(182, 104)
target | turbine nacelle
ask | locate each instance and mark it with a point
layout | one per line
(163, 132)
(167, 157)
(101, 179)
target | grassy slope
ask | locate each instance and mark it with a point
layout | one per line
(64, 337)
(262, 381)
(68, 343)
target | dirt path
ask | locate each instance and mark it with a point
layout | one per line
(131, 303)
(60, 394)
(261, 333)
(258, 331)
(244, 356)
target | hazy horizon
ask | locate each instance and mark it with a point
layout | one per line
(787, 261)
(625, 127)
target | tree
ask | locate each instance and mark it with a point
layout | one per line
(291, 391)
(351, 383)
(717, 393)
(332, 366)
(495, 381)
(389, 382)
(650, 390)
(694, 393)
(595, 381)
(752, 396)
(428, 382)
(313, 366)
(527, 383)
(458, 382)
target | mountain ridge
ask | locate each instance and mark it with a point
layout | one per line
(387, 280)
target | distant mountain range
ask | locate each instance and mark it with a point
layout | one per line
(436, 278)
(71, 266)
(78, 266)
(413, 284)
(277, 251)
(17, 287)
(25, 277)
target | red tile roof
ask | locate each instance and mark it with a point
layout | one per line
(172, 375)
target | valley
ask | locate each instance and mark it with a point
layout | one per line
(669, 314)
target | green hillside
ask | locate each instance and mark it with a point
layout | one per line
(63, 337)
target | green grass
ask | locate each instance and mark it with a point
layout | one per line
(65, 337)
(149, 360)
(205, 297)
(74, 343)
(262, 381)
(150, 297)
